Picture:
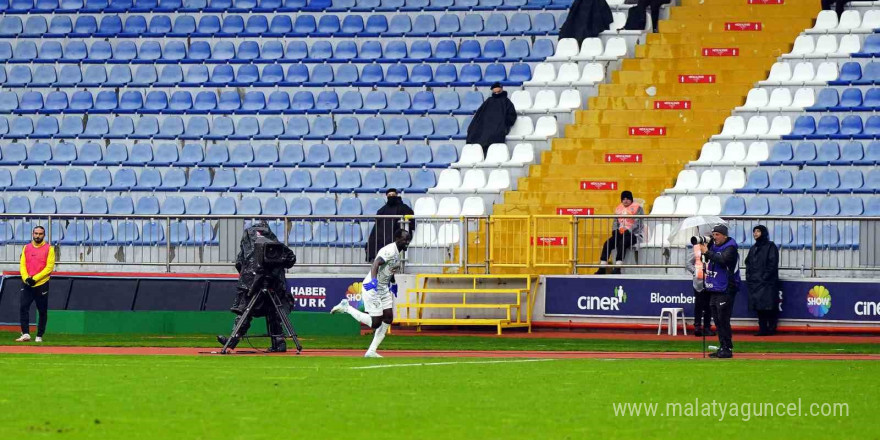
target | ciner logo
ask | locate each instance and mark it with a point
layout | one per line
(867, 308)
(606, 303)
(819, 301)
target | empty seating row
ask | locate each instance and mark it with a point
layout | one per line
(832, 127)
(828, 236)
(828, 153)
(449, 207)
(805, 73)
(243, 155)
(201, 205)
(245, 128)
(497, 155)
(113, 6)
(256, 102)
(850, 21)
(758, 127)
(569, 74)
(136, 26)
(275, 51)
(734, 153)
(590, 49)
(472, 181)
(223, 6)
(780, 206)
(870, 49)
(710, 181)
(853, 73)
(270, 75)
(851, 99)
(686, 205)
(222, 180)
(827, 46)
(779, 99)
(546, 101)
(807, 180)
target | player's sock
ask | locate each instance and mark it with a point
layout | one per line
(378, 336)
(359, 316)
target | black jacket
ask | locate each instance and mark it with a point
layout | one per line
(728, 258)
(383, 230)
(762, 273)
(586, 19)
(492, 121)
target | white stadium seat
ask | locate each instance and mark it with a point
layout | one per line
(710, 153)
(544, 100)
(780, 73)
(687, 181)
(614, 49)
(803, 72)
(566, 48)
(471, 155)
(473, 180)
(780, 126)
(449, 207)
(496, 155)
(710, 205)
(591, 49)
(448, 180)
(733, 126)
(756, 127)
(686, 205)
(425, 206)
(473, 206)
(734, 152)
(521, 128)
(544, 73)
(758, 152)
(849, 44)
(425, 235)
(756, 100)
(803, 46)
(523, 154)
(568, 74)
(448, 234)
(870, 21)
(827, 71)
(710, 181)
(546, 127)
(663, 205)
(498, 180)
(733, 180)
(593, 73)
(521, 100)
(825, 21)
(849, 21)
(779, 98)
(569, 100)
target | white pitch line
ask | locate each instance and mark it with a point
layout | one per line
(424, 364)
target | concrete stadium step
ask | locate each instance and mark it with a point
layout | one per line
(698, 64)
(640, 170)
(740, 10)
(675, 91)
(733, 39)
(560, 199)
(649, 102)
(623, 132)
(689, 50)
(656, 78)
(646, 156)
(647, 117)
(769, 25)
(618, 145)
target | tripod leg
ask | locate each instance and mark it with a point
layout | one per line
(244, 317)
(286, 324)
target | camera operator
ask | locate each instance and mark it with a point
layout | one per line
(702, 312)
(722, 281)
(272, 279)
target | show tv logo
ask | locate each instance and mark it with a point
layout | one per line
(353, 295)
(819, 301)
(604, 303)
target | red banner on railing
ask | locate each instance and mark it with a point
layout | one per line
(696, 79)
(623, 158)
(743, 26)
(549, 241)
(593, 185)
(720, 52)
(574, 211)
(647, 131)
(766, 2)
(672, 105)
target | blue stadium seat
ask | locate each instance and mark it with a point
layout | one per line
(373, 205)
(325, 206)
(147, 205)
(299, 180)
(149, 180)
(850, 181)
(274, 180)
(422, 180)
(804, 180)
(757, 206)
(224, 180)
(23, 180)
(122, 205)
(826, 182)
(18, 205)
(39, 154)
(250, 206)
(49, 180)
(374, 181)
(325, 180)
(872, 207)
(74, 180)
(349, 180)
(45, 205)
(153, 233)
(291, 155)
(343, 155)
(352, 205)
(300, 206)
(828, 152)
(758, 181)
(199, 179)
(248, 180)
(123, 180)
(781, 206)
(805, 206)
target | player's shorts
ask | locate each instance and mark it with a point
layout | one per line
(375, 301)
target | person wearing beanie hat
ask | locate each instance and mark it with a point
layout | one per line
(625, 233)
(493, 120)
(722, 280)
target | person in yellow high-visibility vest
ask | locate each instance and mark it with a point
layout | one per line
(36, 265)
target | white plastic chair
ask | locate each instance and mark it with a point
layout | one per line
(757, 126)
(803, 72)
(780, 73)
(544, 73)
(710, 153)
(687, 181)
(425, 235)
(545, 127)
(473, 206)
(710, 181)
(591, 49)
(827, 71)
(496, 155)
(756, 100)
(569, 100)
(521, 100)
(686, 205)
(568, 73)
(471, 155)
(803, 46)
(448, 234)
(803, 97)
(710, 205)
(663, 205)
(521, 128)
(780, 126)
(473, 180)
(544, 100)
(522, 154)
(734, 152)
(870, 21)
(566, 48)
(733, 180)
(849, 44)
(825, 21)
(825, 45)
(425, 206)
(733, 126)
(449, 207)
(758, 152)
(849, 21)
(779, 98)
(615, 49)
(448, 180)
(498, 180)
(593, 73)
(659, 235)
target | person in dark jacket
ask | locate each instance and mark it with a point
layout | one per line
(383, 230)
(492, 121)
(762, 279)
(586, 19)
(722, 280)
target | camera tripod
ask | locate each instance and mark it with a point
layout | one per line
(257, 291)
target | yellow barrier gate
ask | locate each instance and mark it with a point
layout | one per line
(551, 241)
(473, 299)
(509, 241)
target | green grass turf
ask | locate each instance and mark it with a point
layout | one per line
(181, 397)
(409, 342)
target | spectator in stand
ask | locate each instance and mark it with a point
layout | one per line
(635, 20)
(626, 231)
(586, 19)
(383, 230)
(493, 120)
(762, 279)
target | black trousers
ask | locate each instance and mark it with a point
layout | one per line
(620, 242)
(702, 311)
(39, 295)
(722, 306)
(655, 10)
(838, 5)
(767, 320)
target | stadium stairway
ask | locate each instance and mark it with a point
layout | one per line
(657, 111)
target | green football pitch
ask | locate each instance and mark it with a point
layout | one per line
(212, 397)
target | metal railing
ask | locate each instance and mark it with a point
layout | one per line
(812, 246)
